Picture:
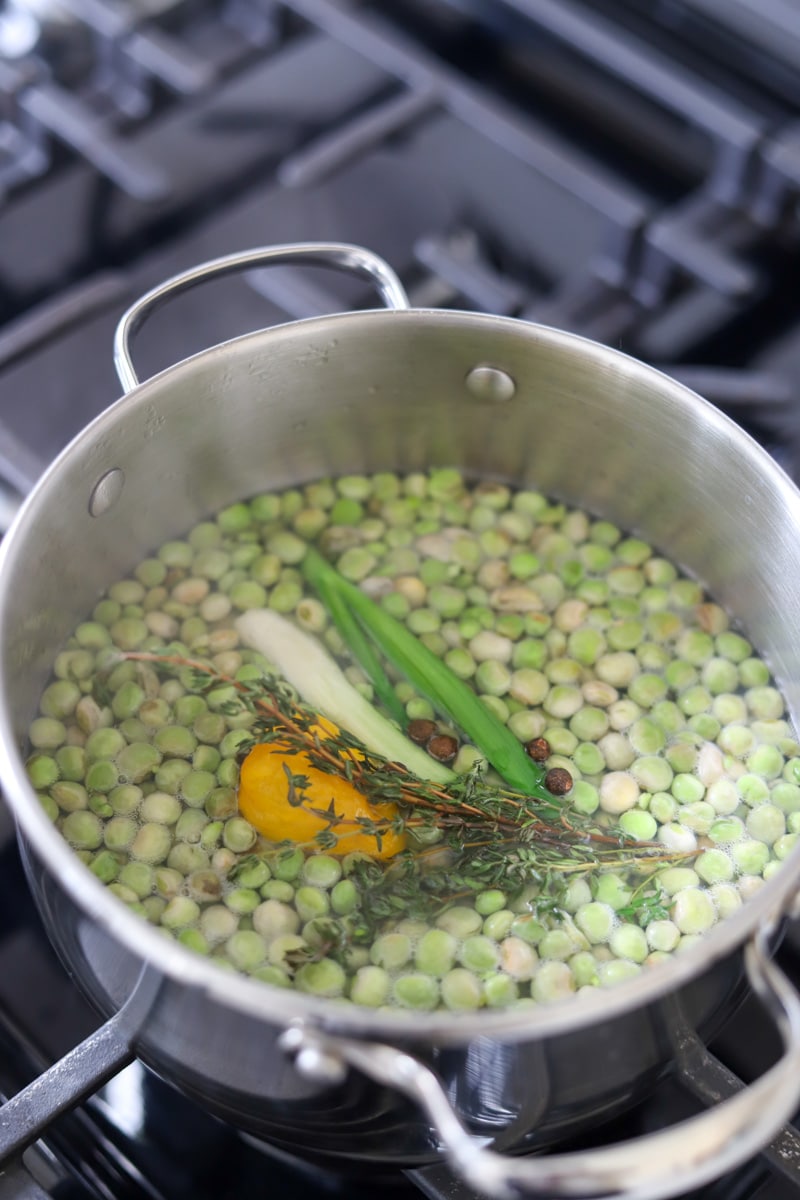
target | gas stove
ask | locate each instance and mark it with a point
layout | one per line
(627, 172)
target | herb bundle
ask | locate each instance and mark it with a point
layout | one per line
(465, 837)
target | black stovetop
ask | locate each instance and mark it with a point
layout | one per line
(630, 172)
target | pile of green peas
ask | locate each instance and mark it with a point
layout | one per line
(667, 720)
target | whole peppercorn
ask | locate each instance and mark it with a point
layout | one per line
(558, 781)
(420, 729)
(442, 747)
(538, 749)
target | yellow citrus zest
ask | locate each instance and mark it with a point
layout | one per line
(264, 800)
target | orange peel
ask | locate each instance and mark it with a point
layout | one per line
(264, 800)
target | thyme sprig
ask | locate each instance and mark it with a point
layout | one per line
(483, 836)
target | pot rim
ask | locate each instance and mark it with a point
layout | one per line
(257, 999)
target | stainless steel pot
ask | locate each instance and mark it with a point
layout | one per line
(402, 390)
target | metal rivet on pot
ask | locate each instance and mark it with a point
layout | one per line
(106, 492)
(316, 1064)
(490, 384)
(310, 1058)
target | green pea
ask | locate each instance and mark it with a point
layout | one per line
(617, 971)
(682, 758)
(589, 724)
(137, 761)
(461, 991)
(500, 990)
(667, 714)
(640, 825)
(344, 897)
(588, 759)
(370, 987)
(416, 991)
(160, 807)
(238, 835)
(706, 725)
(273, 918)
(391, 951)
(693, 911)
(726, 829)
(720, 676)
(349, 511)
(175, 740)
(490, 901)
(687, 789)
(784, 845)
(119, 832)
(585, 797)
(70, 796)
(154, 713)
(47, 733)
(104, 743)
(612, 890)
(206, 759)
(680, 675)
(321, 871)
(435, 952)
(596, 920)
(714, 866)
(83, 830)
(460, 921)
(753, 673)
(278, 889)
(646, 736)
(127, 700)
(102, 776)
(242, 901)
(228, 773)
(288, 865)
(91, 635)
(766, 761)
(498, 924)
(105, 866)
(152, 843)
(284, 597)
(786, 796)
(557, 944)
(629, 941)
(247, 950)
(190, 825)
(195, 787)
(170, 775)
(139, 877)
(766, 823)
(311, 902)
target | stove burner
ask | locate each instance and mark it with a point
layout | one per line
(627, 172)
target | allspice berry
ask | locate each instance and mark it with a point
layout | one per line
(558, 781)
(420, 729)
(538, 749)
(442, 747)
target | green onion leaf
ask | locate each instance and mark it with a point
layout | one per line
(431, 677)
(353, 635)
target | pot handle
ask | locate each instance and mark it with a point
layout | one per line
(670, 1162)
(318, 254)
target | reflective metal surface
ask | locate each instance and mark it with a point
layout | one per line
(369, 392)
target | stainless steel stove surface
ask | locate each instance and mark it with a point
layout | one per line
(629, 172)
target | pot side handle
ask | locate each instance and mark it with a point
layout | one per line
(667, 1163)
(318, 254)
